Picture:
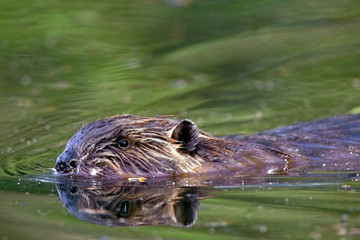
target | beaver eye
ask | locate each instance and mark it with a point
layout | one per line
(123, 143)
(124, 208)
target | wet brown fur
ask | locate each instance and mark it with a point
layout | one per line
(154, 151)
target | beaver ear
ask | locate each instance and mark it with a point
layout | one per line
(187, 134)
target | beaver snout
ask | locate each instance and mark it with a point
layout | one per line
(66, 162)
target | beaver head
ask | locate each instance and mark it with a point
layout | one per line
(128, 145)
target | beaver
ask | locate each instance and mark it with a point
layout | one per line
(128, 146)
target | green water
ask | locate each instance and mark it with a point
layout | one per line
(231, 66)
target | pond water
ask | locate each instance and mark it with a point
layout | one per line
(230, 66)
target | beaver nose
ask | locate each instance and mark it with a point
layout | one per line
(66, 166)
(66, 162)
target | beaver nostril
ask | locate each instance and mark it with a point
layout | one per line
(66, 166)
(60, 167)
(73, 190)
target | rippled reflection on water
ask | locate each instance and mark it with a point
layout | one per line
(325, 204)
(125, 206)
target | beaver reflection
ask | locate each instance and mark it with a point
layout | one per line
(131, 205)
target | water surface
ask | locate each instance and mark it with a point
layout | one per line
(230, 66)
